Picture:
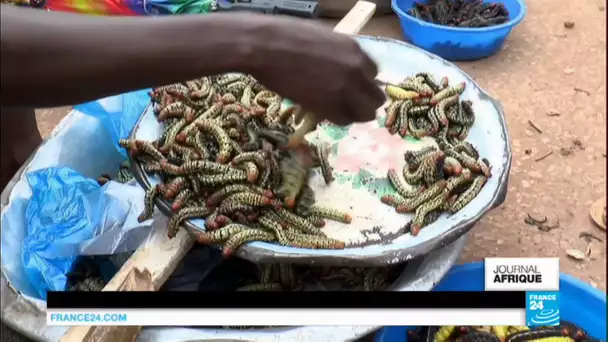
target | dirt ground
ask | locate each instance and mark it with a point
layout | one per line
(553, 78)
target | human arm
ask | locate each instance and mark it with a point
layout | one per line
(53, 59)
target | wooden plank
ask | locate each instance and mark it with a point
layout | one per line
(160, 259)
(135, 280)
(356, 18)
(148, 268)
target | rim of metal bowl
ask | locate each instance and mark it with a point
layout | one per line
(508, 24)
(380, 258)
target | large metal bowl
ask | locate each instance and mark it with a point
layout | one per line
(396, 60)
(27, 316)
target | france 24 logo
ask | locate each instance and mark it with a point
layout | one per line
(542, 309)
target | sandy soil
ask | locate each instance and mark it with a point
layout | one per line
(544, 68)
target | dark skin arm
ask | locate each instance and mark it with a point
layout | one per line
(55, 59)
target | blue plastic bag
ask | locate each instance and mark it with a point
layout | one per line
(118, 114)
(58, 220)
(69, 215)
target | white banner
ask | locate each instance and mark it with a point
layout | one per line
(286, 317)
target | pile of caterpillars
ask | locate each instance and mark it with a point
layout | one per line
(461, 13)
(287, 277)
(442, 179)
(564, 332)
(123, 175)
(85, 275)
(221, 157)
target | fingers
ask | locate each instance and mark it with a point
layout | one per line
(368, 66)
(356, 101)
(363, 77)
(358, 104)
(341, 117)
(370, 71)
(362, 108)
(372, 93)
(365, 97)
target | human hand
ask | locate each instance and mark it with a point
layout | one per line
(325, 72)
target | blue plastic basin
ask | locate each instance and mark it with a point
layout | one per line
(456, 43)
(580, 303)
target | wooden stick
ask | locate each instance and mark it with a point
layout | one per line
(356, 18)
(135, 280)
(160, 259)
(148, 268)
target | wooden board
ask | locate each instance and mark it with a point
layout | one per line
(338, 8)
(148, 268)
(134, 280)
(356, 18)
